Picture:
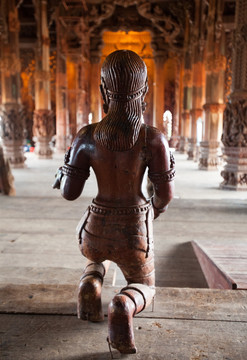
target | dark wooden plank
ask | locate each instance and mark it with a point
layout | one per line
(215, 276)
(39, 337)
(205, 304)
(223, 262)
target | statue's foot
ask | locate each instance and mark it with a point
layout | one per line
(120, 323)
(89, 305)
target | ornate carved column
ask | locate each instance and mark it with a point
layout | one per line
(43, 126)
(209, 147)
(215, 73)
(160, 55)
(187, 94)
(195, 114)
(159, 89)
(72, 92)
(11, 111)
(234, 135)
(174, 141)
(187, 91)
(148, 114)
(62, 117)
(83, 107)
(94, 90)
(83, 87)
(198, 77)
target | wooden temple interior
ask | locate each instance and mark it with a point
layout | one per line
(51, 52)
(195, 51)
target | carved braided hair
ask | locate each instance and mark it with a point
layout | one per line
(124, 76)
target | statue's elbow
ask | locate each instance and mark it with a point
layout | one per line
(70, 190)
(68, 196)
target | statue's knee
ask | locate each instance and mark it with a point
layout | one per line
(132, 299)
(142, 294)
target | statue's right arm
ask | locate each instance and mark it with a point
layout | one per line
(75, 170)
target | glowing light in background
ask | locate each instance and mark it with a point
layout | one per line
(167, 120)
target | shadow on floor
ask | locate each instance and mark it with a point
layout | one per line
(179, 268)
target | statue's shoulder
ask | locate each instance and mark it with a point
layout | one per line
(155, 138)
(86, 132)
(84, 140)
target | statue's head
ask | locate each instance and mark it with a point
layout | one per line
(123, 88)
(123, 77)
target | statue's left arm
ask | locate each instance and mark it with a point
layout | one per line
(161, 171)
(71, 177)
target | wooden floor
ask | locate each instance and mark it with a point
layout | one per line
(40, 266)
(186, 324)
(224, 264)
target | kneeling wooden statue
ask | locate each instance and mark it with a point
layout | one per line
(117, 226)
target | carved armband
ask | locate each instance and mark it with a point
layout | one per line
(164, 176)
(75, 172)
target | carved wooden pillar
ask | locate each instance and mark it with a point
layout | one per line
(187, 96)
(72, 88)
(62, 117)
(159, 89)
(234, 135)
(176, 115)
(198, 77)
(215, 74)
(11, 112)
(196, 111)
(94, 90)
(43, 126)
(83, 107)
(148, 114)
(83, 91)
(187, 91)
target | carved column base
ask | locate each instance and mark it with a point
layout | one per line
(183, 145)
(43, 148)
(192, 149)
(13, 151)
(235, 169)
(12, 129)
(209, 158)
(43, 129)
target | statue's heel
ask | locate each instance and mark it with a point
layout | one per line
(124, 306)
(89, 305)
(120, 323)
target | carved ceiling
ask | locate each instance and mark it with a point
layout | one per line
(164, 19)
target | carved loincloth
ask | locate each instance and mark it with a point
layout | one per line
(122, 235)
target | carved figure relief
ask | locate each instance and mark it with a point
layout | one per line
(117, 226)
(215, 63)
(234, 179)
(235, 124)
(43, 123)
(11, 122)
(10, 64)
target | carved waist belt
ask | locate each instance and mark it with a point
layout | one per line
(105, 210)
